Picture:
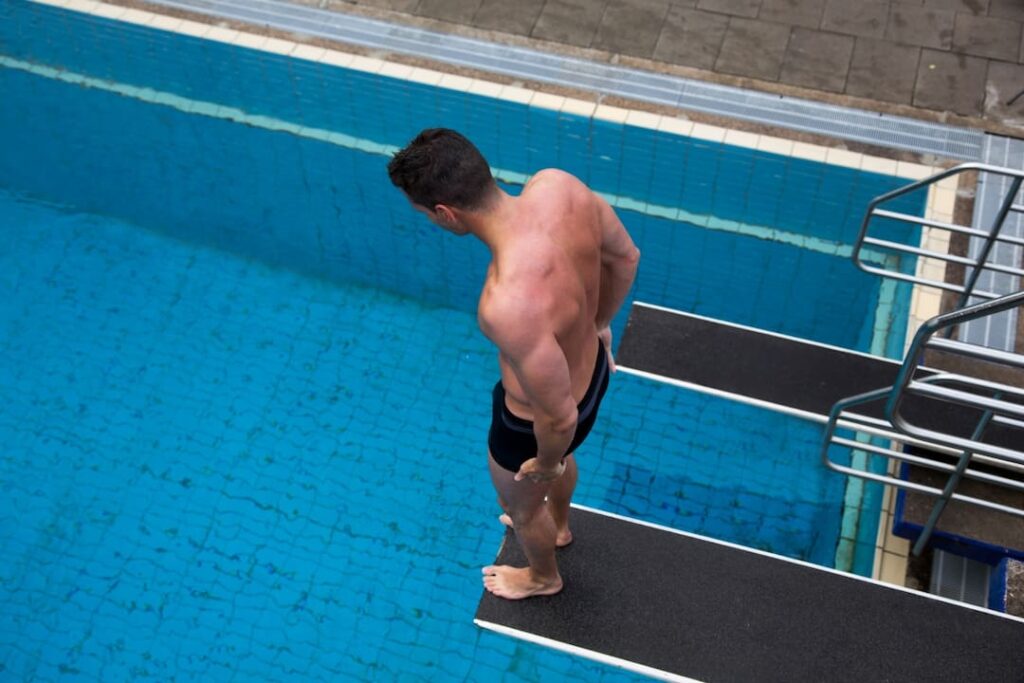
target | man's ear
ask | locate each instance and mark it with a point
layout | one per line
(445, 214)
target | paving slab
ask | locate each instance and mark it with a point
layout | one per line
(883, 70)
(919, 26)
(631, 27)
(815, 59)
(574, 22)
(1004, 92)
(948, 81)
(501, 15)
(691, 37)
(996, 38)
(866, 19)
(753, 48)
(806, 13)
(448, 10)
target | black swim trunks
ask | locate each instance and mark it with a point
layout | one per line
(511, 438)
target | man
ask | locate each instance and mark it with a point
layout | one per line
(561, 266)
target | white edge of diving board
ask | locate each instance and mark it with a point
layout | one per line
(768, 333)
(802, 563)
(738, 398)
(583, 652)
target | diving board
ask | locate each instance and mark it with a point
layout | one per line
(774, 371)
(680, 607)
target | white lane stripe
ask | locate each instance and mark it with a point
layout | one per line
(738, 398)
(584, 652)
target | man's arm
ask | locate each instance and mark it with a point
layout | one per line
(619, 261)
(518, 329)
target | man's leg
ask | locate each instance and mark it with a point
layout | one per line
(524, 501)
(559, 498)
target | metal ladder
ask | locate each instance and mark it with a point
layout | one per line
(957, 456)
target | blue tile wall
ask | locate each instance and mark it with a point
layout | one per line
(284, 199)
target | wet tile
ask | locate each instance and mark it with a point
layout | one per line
(631, 27)
(738, 8)
(456, 11)
(963, 6)
(569, 21)
(919, 26)
(1006, 9)
(815, 59)
(806, 13)
(883, 70)
(500, 15)
(950, 82)
(753, 48)
(867, 19)
(395, 5)
(691, 38)
(987, 37)
(1004, 93)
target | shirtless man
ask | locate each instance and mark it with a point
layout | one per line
(561, 266)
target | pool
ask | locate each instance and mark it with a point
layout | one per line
(245, 398)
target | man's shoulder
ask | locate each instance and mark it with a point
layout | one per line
(510, 309)
(556, 178)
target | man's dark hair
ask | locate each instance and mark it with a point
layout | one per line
(440, 166)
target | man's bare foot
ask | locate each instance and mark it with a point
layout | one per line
(516, 583)
(563, 538)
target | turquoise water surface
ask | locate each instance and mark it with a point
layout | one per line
(245, 400)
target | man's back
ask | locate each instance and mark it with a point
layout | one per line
(553, 261)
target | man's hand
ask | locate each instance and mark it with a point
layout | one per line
(535, 472)
(605, 335)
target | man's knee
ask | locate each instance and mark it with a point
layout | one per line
(525, 514)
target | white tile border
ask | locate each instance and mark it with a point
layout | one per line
(577, 107)
(543, 100)
(676, 126)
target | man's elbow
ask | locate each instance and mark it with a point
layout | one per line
(560, 424)
(628, 263)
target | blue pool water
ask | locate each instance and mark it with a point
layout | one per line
(244, 396)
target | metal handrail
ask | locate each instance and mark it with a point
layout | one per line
(923, 339)
(970, 392)
(999, 404)
(841, 418)
(976, 264)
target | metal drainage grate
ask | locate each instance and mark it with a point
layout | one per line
(959, 578)
(775, 110)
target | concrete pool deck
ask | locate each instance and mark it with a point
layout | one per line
(956, 61)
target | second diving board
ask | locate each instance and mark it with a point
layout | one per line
(786, 373)
(774, 371)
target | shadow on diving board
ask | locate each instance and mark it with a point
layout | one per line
(680, 607)
(775, 371)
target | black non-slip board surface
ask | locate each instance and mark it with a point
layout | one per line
(714, 613)
(783, 371)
